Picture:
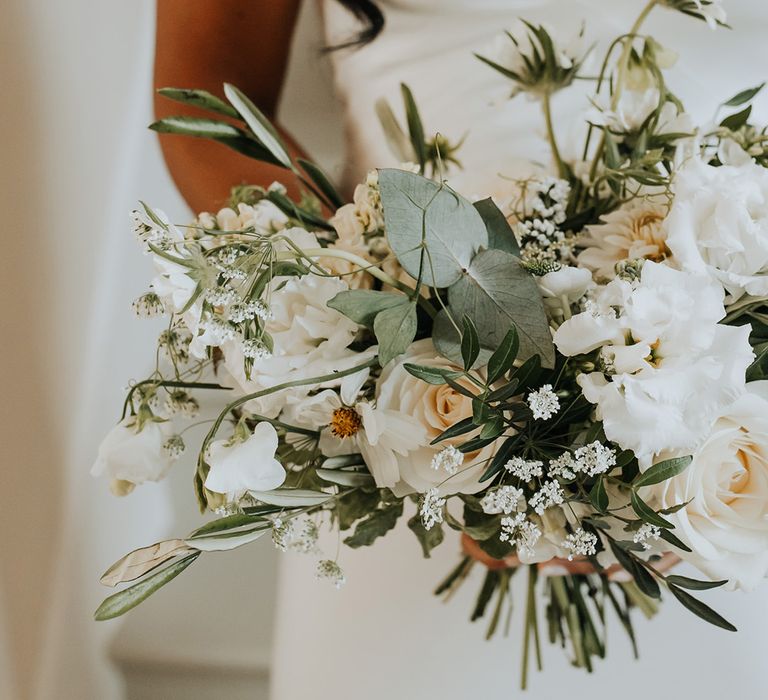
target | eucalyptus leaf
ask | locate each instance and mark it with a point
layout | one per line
(292, 498)
(430, 228)
(395, 329)
(264, 132)
(362, 305)
(500, 233)
(497, 293)
(123, 601)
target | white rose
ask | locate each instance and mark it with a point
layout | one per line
(435, 408)
(247, 465)
(133, 457)
(718, 225)
(726, 521)
(668, 367)
(310, 339)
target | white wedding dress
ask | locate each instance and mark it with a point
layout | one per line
(384, 635)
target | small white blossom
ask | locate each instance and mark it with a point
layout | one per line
(220, 296)
(520, 532)
(298, 534)
(148, 305)
(331, 571)
(449, 459)
(174, 447)
(580, 543)
(525, 469)
(180, 402)
(550, 494)
(645, 533)
(594, 459)
(564, 466)
(543, 402)
(255, 350)
(504, 499)
(247, 310)
(174, 343)
(431, 510)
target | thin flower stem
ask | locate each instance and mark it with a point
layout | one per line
(546, 105)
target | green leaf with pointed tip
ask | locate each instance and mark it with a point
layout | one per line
(470, 343)
(346, 478)
(669, 537)
(703, 611)
(500, 234)
(199, 98)
(647, 513)
(374, 525)
(123, 601)
(744, 96)
(291, 498)
(661, 471)
(694, 584)
(362, 305)
(431, 375)
(415, 126)
(504, 356)
(429, 227)
(734, 122)
(322, 181)
(447, 340)
(428, 539)
(643, 578)
(395, 329)
(261, 127)
(598, 496)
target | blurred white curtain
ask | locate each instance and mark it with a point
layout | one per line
(76, 157)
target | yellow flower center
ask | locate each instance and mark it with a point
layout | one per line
(345, 422)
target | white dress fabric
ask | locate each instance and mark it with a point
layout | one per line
(384, 635)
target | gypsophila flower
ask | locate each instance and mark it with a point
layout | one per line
(248, 310)
(148, 231)
(543, 402)
(594, 459)
(520, 532)
(431, 509)
(255, 350)
(550, 494)
(298, 534)
(564, 466)
(180, 402)
(449, 459)
(645, 533)
(148, 306)
(331, 571)
(524, 469)
(580, 543)
(174, 446)
(504, 499)
(219, 329)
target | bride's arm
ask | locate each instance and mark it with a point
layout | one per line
(202, 44)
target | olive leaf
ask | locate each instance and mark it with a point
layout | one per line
(142, 561)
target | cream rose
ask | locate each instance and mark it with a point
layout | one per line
(726, 521)
(436, 408)
(718, 225)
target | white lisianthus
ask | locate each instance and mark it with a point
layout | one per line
(633, 232)
(718, 225)
(667, 366)
(564, 287)
(434, 408)
(237, 467)
(130, 456)
(634, 107)
(310, 339)
(726, 521)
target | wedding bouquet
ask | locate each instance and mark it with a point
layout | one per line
(567, 379)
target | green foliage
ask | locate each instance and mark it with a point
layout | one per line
(354, 505)
(362, 305)
(661, 471)
(428, 539)
(700, 609)
(376, 524)
(395, 329)
(199, 98)
(500, 234)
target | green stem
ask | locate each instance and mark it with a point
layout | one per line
(546, 105)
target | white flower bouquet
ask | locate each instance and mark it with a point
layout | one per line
(566, 382)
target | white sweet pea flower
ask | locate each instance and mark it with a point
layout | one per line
(718, 225)
(130, 456)
(433, 409)
(564, 287)
(726, 521)
(668, 366)
(242, 466)
(263, 217)
(634, 107)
